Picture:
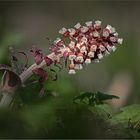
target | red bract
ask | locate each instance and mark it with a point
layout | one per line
(48, 61)
(42, 74)
(38, 55)
(89, 43)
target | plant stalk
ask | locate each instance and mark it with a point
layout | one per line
(6, 98)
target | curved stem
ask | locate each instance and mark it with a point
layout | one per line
(27, 73)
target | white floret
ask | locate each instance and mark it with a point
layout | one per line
(91, 54)
(114, 48)
(72, 71)
(78, 66)
(84, 29)
(89, 23)
(88, 61)
(98, 23)
(100, 56)
(120, 40)
(77, 26)
(72, 31)
(63, 30)
(102, 48)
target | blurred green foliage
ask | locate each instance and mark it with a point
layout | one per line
(58, 117)
(7, 41)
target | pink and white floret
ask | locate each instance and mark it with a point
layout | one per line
(87, 44)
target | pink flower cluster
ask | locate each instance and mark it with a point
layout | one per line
(88, 43)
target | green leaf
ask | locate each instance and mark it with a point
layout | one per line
(9, 39)
(129, 112)
(103, 111)
(101, 96)
(40, 116)
(93, 98)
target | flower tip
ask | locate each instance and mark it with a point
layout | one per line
(120, 40)
(88, 23)
(84, 29)
(96, 61)
(106, 53)
(114, 48)
(77, 26)
(109, 27)
(72, 71)
(113, 30)
(63, 30)
(57, 40)
(100, 56)
(88, 61)
(78, 66)
(98, 22)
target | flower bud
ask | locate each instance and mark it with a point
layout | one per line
(79, 58)
(59, 42)
(88, 23)
(87, 61)
(78, 66)
(106, 33)
(113, 48)
(109, 48)
(84, 29)
(91, 54)
(93, 48)
(95, 34)
(96, 61)
(106, 53)
(78, 45)
(78, 26)
(65, 54)
(102, 48)
(84, 40)
(120, 40)
(72, 71)
(116, 34)
(72, 68)
(72, 44)
(97, 25)
(111, 29)
(72, 56)
(63, 31)
(100, 56)
(113, 39)
(71, 31)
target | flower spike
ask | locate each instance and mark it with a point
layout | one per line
(88, 43)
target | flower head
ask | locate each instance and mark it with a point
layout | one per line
(88, 43)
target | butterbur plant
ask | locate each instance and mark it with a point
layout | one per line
(78, 47)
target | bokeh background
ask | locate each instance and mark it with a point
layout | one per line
(24, 23)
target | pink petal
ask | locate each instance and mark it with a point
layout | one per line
(48, 61)
(38, 55)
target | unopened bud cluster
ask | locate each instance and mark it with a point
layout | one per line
(88, 43)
